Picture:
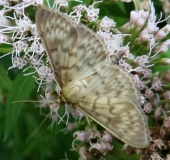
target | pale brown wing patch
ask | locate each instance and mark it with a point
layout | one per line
(69, 46)
(92, 53)
(112, 81)
(122, 119)
(59, 37)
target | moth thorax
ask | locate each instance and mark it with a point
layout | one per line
(73, 91)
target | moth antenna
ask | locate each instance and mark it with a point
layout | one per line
(27, 101)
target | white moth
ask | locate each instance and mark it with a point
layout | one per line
(103, 91)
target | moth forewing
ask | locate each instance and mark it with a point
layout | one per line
(104, 92)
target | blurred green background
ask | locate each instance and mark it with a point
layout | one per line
(18, 121)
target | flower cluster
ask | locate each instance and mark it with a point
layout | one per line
(138, 47)
(146, 51)
(20, 32)
(98, 144)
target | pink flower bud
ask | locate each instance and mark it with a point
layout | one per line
(81, 136)
(134, 16)
(163, 47)
(147, 107)
(149, 93)
(166, 122)
(162, 33)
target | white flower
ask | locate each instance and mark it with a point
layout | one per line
(106, 24)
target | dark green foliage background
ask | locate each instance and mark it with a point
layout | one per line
(19, 120)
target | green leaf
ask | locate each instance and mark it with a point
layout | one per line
(115, 11)
(5, 81)
(20, 90)
(5, 48)
(72, 4)
(120, 154)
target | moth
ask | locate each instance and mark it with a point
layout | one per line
(103, 91)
